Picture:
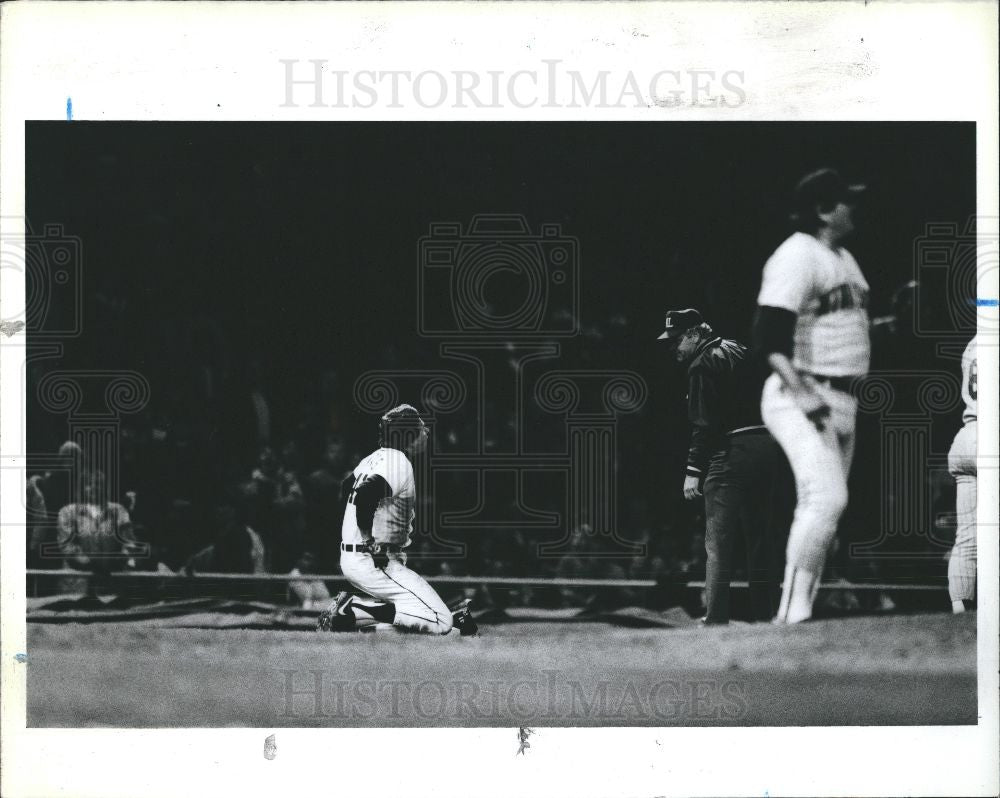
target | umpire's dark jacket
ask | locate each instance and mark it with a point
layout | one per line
(723, 397)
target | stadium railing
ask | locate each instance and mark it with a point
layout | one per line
(508, 581)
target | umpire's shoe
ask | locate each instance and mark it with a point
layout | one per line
(462, 619)
(338, 617)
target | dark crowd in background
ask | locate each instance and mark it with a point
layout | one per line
(251, 274)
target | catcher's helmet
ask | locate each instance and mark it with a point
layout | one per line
(398, 428)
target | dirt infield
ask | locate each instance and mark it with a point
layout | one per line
(897, 670)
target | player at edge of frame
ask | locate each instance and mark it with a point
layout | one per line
(963, 469)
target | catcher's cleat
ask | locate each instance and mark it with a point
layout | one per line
(338, 617)
(462, 619)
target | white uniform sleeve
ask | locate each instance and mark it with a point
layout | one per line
(395, 469)
(970, 378)
(788, 278)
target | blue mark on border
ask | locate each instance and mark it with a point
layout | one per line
(21, 657)
(69, 109)
(987, 303)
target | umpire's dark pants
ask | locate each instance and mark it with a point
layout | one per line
(740, 490)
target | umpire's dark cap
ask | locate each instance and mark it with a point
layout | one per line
(824, 187)
(679, 321)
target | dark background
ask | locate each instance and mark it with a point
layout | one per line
(221, 248)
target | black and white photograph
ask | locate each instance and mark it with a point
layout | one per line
(614, 449)
(524, 424)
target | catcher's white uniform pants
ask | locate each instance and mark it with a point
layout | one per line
(962, 466)
(820, 461)
(418, 606)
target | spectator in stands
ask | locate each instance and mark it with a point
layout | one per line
(178, 533)
(279, 506)
(247, 423)
(323, 506)
(575, 564)
(47, 494)
(584, 561)
(95, 535)
(64, 484)
(235, 548)
(38, 529)
(307, 593)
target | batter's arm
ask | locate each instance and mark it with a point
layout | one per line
(773, 335)
(366, 496)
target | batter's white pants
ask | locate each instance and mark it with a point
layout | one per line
(418, 606)
(820, 462)
(962, 466)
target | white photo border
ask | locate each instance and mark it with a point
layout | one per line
(841, 61)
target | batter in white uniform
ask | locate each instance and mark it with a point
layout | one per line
(378, 522)
(962, 466)
(812, 325)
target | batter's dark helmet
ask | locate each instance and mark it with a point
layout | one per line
(823, 188)
(398, 428)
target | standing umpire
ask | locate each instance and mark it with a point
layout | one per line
(732, 457)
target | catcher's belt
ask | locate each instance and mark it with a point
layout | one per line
(371, 548)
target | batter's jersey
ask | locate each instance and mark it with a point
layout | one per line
(970, 381)
(829, 295)
(393, 521)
